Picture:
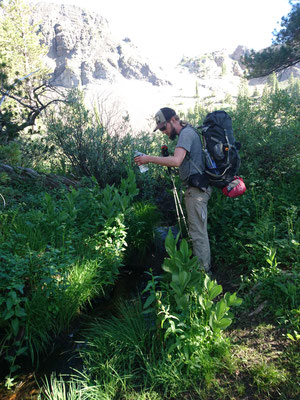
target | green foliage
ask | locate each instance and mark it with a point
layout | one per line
(57, 253)
(20, 49)
(257, 235)
(268, 130)
(10, 153)
(89, 145)
(187, 320)
(22, 71)
(285, 49)
(141, 219)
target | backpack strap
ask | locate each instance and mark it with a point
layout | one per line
(188, 155)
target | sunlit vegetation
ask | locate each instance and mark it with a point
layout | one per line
(178, 333)
(63, 248)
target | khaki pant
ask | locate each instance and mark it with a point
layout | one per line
(196, 206)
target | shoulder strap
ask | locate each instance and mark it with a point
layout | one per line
(194, 165)
(189, 158)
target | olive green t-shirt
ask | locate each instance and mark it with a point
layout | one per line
(191, 142)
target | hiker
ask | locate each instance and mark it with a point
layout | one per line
(188, 147)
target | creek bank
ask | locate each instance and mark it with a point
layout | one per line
(63, 356)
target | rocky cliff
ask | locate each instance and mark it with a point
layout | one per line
(216, 63)
(82, 50)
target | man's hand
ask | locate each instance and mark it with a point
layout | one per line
(140, 160)
(171, 161)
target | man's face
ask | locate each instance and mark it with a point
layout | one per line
(169, 130)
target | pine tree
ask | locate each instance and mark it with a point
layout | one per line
(273, 83)
(285, 50)
(197, 90)
(21, 52)
(23, 75)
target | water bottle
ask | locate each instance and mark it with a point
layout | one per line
(210, 163)
(143, 168)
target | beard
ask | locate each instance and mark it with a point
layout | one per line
(173, 134)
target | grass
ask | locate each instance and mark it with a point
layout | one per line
(261, 365)
(59, 250)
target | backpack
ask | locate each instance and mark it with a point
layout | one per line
(221, 151)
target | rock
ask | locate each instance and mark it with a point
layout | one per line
(239, 52)
(84, 50)
(84, 53)
(288, 72)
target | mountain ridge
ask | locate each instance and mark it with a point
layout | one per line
(83, 52)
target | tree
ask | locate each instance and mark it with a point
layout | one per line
(23, 110)
(285, 50)
(24, 79)
(21, 51)
(197, 90)
(91, 142)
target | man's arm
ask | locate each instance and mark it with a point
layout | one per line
(171, 161)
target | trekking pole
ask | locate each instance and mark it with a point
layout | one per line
(178, 207)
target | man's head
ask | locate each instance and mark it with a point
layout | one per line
(167, 122)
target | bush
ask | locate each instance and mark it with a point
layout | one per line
(55, 257)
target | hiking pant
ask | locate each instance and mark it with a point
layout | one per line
(196, 206)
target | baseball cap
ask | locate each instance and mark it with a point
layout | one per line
(162, 116)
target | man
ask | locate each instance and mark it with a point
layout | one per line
(188, 157)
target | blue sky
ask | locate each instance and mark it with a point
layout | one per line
(165, 30)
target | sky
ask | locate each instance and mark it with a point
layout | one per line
(167, 30)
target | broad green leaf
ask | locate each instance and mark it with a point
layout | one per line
(170, 244)
(205, 303)
(176, 288)
(221, 309)
(238, 301)
(19, 287)
(169, 266)
(184, 249)
(183, 277)
(212, 320)
(224, 323)
(201, 301)
(182, 301)
(9, 303)
(15, 326)
(206, 281)
(149, 301)
(178, 262)
(13, 295)
(167, 333)
(214, 291)
(8, 314)
(22, 350)
(20, 312)
(175, 278)
(232, 299)
(211, 285)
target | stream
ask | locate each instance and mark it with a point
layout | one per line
(63, 357)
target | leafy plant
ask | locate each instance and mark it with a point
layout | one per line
(188, 321)
(54, 259)
(141, 219)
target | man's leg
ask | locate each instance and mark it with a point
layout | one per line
(196, 206)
